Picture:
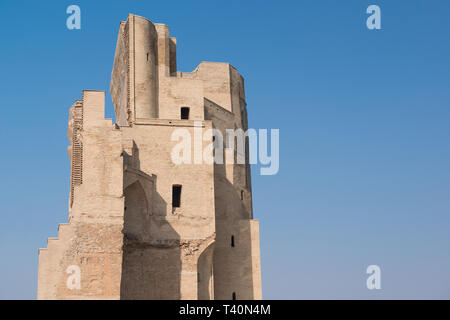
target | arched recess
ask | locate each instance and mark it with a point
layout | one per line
(205, 274)
(135, 213)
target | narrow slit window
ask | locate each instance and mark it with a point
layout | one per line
(176, 196)
(242, 194)
(232, 241)
(184, 113)
(233, 296)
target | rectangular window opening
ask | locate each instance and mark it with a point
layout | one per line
(184, 113)
(176, 196)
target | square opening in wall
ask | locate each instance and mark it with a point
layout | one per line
(184, 113)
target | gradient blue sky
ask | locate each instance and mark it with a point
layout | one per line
(364, 132)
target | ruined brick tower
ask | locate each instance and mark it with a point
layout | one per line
(141, 226)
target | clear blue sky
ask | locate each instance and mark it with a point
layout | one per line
(364, 127)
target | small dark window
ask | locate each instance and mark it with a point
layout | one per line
(242, 194)
(185, 113)
(232, 241)
(176, 196)
(233, 296)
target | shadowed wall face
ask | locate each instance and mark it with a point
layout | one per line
(135, 212)
(150, 273)
(205, 274)
(151, 269)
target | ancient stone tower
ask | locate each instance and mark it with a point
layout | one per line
(141, 226)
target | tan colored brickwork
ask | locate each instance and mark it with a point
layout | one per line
(124, 234)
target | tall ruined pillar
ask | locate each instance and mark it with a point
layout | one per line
(134, 79)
